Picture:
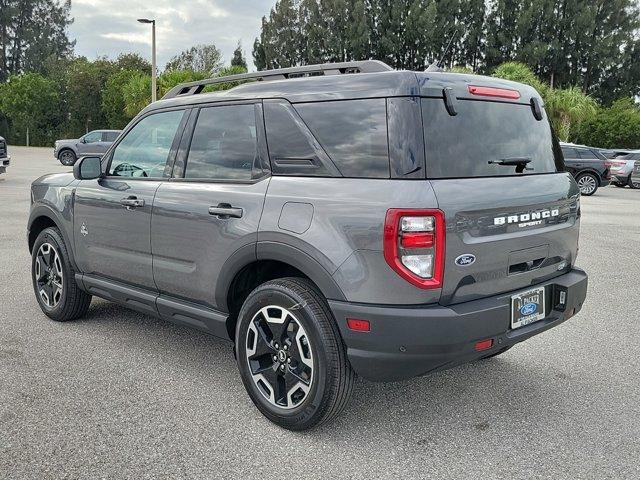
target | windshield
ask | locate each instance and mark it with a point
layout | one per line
(487, 139)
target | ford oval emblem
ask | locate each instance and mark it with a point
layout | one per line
(528, 309)
(465, 260)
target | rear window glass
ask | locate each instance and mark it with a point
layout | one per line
(353, 133)
(482, 132)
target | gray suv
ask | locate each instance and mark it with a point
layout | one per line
(96, 142)
(330, 221)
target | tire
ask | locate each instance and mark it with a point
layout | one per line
(60, 299)
(67, 157)
(310, 382)
(633, 185)
(588, 183)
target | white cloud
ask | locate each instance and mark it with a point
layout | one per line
(109, 27)
(128, 37)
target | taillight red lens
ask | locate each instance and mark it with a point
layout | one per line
(417, 240)
(494, 92)
(414, 242)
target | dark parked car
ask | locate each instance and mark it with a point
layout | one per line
(96, 142)
(589, 167)
(358, 220)
(5, 160)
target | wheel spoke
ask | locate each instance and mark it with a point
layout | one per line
(48, 274)
(284, 374)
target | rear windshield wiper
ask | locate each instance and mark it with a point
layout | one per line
(519, 162)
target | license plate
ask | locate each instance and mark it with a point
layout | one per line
(527, 307)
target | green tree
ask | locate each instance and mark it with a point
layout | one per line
(171, 78)
(113, 102)
(519, 72)
(568, 109)
(225, 72)
(614, 127)
(136, 94)
(31, 102)
(238, 59)
(594, 45)
(199, 58)
(83, 91)
(132, 62)
(280, 38)
(31, 31)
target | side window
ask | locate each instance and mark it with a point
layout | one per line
(353, 133)
(587, 154)
(292, 147)
(144, 150)
(92, 137)
(224, 145)
(569, 152)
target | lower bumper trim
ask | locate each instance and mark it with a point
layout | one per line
(406, 342)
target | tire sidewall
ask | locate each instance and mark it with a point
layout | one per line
(275, 295)
(52, 236)
(61, 156)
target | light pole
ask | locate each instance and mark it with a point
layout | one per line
(153, 56)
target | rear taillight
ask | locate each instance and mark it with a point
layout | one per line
(615, 164)
(414, 243)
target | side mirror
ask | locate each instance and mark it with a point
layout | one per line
(87, 168)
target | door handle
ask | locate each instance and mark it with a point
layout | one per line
(224, 210)
(132, 202)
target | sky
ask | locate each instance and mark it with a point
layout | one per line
(110, 27)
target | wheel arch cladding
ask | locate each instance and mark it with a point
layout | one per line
(244, 279)
(38, 225)
(43, 217)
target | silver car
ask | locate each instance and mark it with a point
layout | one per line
(622, 168)
(635, 175)
(93, 143)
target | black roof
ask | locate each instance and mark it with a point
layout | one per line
(392, 83)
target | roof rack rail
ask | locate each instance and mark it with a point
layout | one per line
(365, 66)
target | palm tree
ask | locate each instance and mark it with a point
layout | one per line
(568, 108)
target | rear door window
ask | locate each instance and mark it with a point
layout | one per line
(109, 136)
(587, 154)
(353, 133)
(224, 145)
(569, 152)
(482, 134)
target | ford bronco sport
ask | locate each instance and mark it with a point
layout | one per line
(330, 220)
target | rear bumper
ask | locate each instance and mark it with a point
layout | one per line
(620, 178)
(407, 342)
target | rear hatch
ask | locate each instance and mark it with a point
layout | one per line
(511, 213)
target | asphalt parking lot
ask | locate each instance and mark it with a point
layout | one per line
(122, 395)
